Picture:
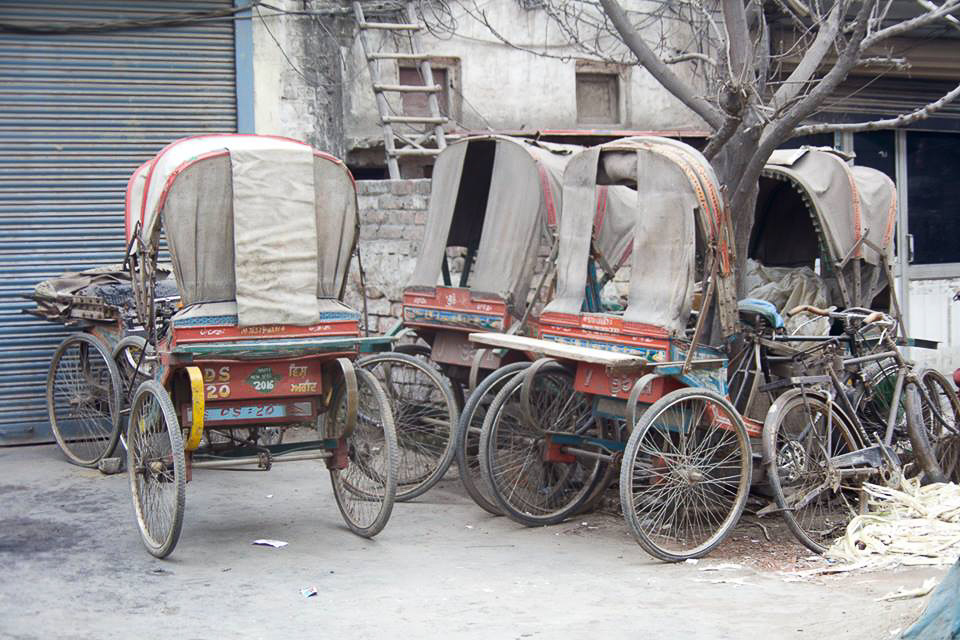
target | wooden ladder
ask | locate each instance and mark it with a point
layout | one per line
(401, 137)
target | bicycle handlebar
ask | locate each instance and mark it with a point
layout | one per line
(869, 318)
(809, 308)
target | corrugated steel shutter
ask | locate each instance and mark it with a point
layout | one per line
(78, 112)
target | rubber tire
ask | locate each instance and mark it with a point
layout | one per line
(923, 449)
(367, 379)
(115, 400)
(931, 378)
(487, 453)
(409, 491)
(476, 487)
(773, 474)
(158, 548)
(644, 423)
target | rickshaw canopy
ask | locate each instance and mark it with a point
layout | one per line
(673, 191)
(512, 185)
(813, 204)
(267, 222)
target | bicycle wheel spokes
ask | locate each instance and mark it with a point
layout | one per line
(425, 415)
(366, 488)
(156, 468)
(530, 477)
(685, 475)
(806, 487)
(470, 429)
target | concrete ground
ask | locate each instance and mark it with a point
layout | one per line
(72, 566)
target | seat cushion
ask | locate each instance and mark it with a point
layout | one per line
(751, 308)
(225, 313)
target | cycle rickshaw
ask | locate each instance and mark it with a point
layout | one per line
(837, 409)
(252, 336)
(822, 236)
(640, 388)
(490, 229)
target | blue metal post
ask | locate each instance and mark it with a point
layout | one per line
(243, 46)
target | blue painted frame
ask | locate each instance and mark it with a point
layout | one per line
(243, 63)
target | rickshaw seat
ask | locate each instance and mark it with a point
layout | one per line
(225, 313)
(752, 308)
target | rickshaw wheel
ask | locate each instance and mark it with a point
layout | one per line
(468, 435)
(425, 415)
(515, 454)
(682, 490)
(83, 400)
(156, 468)
(366, 488)
(795, 450)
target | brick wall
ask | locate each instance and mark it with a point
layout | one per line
(392, 217)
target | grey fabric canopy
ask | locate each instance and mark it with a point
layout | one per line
(267, 222)
(503, 193)
(506, 194)
(675, 190)
(813, 204)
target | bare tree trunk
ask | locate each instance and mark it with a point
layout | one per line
(730, 164)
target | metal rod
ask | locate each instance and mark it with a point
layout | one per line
(876, 356)
(247, 460)
(586, 454)
(898, 389)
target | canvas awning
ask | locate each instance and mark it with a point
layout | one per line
(265, 221)
(672, 190)
(845, 204)
(510, 184)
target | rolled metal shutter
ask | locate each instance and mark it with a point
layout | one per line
(78, 112)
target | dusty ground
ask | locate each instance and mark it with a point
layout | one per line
(72, 566)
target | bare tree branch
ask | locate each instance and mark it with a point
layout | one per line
(722, 136)
(946, 9)
(738, 40)
(687, 57)
(952, 20)
(661, 72)
(901, 64)
(761, 53)
(902, 120)
(779, 131)
(811, 60)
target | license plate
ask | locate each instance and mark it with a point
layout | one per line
(250, 412)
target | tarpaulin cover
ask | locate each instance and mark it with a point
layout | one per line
(266, 226)
(941, 617)
(522, 194)
(660, 224)
(267, 222)
(847, 202)
(789, 287)
(109, 286)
